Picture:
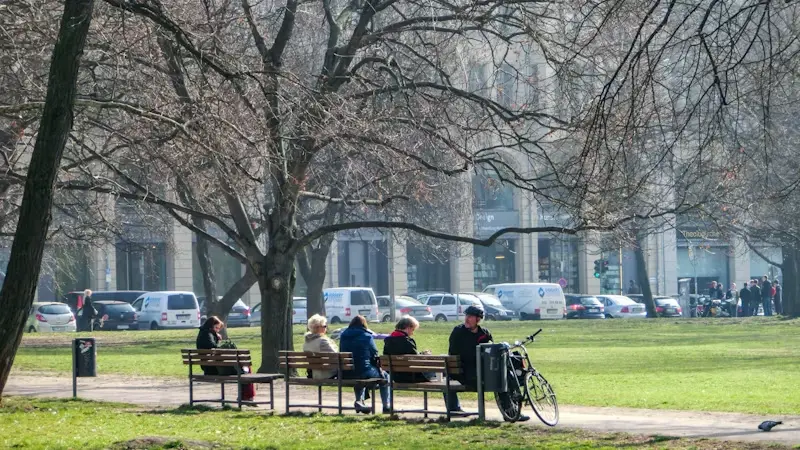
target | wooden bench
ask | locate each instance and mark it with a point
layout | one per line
(233, 358)
(447, 366)
(338, 362)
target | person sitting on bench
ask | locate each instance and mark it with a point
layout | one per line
(401, 342)
(317, 341)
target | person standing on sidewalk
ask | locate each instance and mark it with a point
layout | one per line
(766, 295)
(744, 296)
(778, 297)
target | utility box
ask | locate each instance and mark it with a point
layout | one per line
(494, 365)
(84, 357)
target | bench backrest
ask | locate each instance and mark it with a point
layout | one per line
(316, 361)
(220, 357)
(445, 364)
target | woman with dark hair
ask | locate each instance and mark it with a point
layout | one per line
(359, 341)
(87, 312)
(209, 338)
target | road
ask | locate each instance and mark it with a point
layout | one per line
(167, 392)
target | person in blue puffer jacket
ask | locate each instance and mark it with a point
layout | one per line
(359, 341)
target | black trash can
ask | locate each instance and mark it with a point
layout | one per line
(494, 362)
(84, 357)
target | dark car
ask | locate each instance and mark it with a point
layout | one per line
(73, 298)
(584, 307)
(239, 315)
(667, 307)
(115, 315)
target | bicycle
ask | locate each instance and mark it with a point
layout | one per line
(526, 384)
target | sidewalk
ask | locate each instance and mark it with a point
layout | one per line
(170, 392)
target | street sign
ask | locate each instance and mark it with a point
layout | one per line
(562, 282)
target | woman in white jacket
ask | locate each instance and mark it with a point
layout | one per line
(316, 341)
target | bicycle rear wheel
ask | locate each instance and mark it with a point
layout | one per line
(542, 398)
(510, 403)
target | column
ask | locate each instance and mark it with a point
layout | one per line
(103, 260)
(179, 260)
(527, 262)
(399, 264)
(739, 263)
(462, 269)
(588, 252)
(668, 278)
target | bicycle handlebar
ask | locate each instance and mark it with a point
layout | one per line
(533, 336)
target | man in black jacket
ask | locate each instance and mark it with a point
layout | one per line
(744, 295)
(766, 295)
(778, 297)
(401, 342)
(755, 297)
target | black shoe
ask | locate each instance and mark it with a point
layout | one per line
(457, 410)
(361, 408)
(523, 418)
(387, 411)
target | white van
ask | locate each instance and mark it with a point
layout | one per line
(168, 309)
(342, 304)
(531, 300)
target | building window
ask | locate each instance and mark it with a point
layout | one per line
(492, 194)
(141, 267)
(703, 264)
(428, 269)
(364, 264)
(558, 261)
(494, 264)
(760, 266)
(227, 270)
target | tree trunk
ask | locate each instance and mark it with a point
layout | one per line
(275, 281)
(209, 276)
(35, 214)
(641, 276)
(791, 281)
(311, 262)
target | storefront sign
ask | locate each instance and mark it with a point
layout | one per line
(699, 234)
(489, 222)
(553, 218)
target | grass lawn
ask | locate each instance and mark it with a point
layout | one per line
(739, 365)
(68, 424)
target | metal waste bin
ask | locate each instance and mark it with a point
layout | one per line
(84, 357)
(494, 367)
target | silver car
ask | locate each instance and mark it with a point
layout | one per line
(404, 306)
(298, 312)
(619, 306)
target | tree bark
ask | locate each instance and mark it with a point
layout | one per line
(311, 263)
(791, 281)
(275, 282)
(641, 276)
(35, 216)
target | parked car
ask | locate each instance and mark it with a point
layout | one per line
(167, 309)
(404, 306)
(584, 307)
(622, 307)
(667, 307)
(50, 317)
(422, 297)
(114, 315)
(344, 303)
(75, 298)
(298, 313)
(446, 307)
(239, 315)
(492, 306)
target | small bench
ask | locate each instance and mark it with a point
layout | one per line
(338, 362)
(234, 358)
(419, 364)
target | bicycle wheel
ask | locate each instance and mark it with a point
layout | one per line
(510, 403)
(542, 398)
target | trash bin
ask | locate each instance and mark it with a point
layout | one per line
(84, 357)
(494, 364)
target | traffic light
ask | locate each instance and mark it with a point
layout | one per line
(598, 267)
(604, 267)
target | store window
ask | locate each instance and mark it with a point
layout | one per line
(428, 269)
(703, 264)
(141, 266)
(494, 264)
(760, 266)
(558, 261)
(492, 194)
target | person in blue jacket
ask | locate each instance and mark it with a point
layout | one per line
(359, 341)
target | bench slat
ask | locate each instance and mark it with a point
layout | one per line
(217, 358)
(422, 369)
(247, 378)
(216, 363)
(215, 351)
(317, 366)
(436, 386)
(343, 355)
(420, 363)
(334, 382)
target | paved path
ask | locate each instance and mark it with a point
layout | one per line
(171, 392)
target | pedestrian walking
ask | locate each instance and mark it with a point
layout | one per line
(87, 313)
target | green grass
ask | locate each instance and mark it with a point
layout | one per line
(741, 365)
(69, 424)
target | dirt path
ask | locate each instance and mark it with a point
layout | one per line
(165, 392)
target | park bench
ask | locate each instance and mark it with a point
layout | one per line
(447, 366)
(339, 362)
(233, 358)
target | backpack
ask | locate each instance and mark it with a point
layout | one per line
(772, 292)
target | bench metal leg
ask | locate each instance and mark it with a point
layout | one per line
(271, 396)
(191, 392)
(319, 398)
(373, 399)
(340, 399)
(447, 395)
(239, 395)
(287, 396)
(222, 392)
(425, 397)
